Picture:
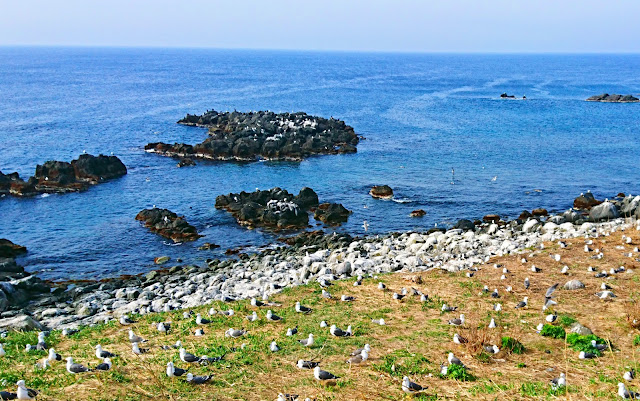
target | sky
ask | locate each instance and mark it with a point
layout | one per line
(489, 26)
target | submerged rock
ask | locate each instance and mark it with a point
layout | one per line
(168, 224)
(381, 192)
(418, 213)
(262, 135)
(605, 97)
(332, 213)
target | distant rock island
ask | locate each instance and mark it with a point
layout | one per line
(168, 224)
(262, 135)
(613, 98)
(61, 177)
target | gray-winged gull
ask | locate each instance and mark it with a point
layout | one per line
(323, 375)
(454, 360)
(235, 333)
(41, 344)
(410, 387)
(491, 349)
(347, 298)
(363, 356)
(124, 320)
(100, 353)
(134, 338)
(358, 351)
(586, 355)
(177, 345)
(292, 331)
(457, 321)
(380, 321)
(105, 365)
(302, 364)
(135, 347)
(526, 283)
(326, 294)
(43, 364)
(559, 381)
(25, 393)
(252, 317)
(458, 339)
(447, 308)
(273, 317)
(198, 379)
(53, 356)
(173, 371)
(303, 309)
(188, 357)
(2, 351)
(523, 303)
(75, 367)
(307, 342)
(605, 294)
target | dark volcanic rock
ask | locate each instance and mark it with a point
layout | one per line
(274, 208)
(168, 224)
(466, 225)
(332, 214)
(61, 177)
(585, 201)
(505, 96)
(186, 161)
(10, 250)
(491, 218)
(540, 212)
(605, 97)
(381, 192)
(418, 213)
(262, 135)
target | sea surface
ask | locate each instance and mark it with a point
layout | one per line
(422, 115)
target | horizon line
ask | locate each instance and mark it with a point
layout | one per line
(416, 52)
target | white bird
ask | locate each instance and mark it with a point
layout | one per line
(53, 356)
(492, 324)
(25, 393)
(559, 381)
(2, 351)
(134, 338)
(173, 371)
(523, 303)
(302, 309)
(626, 394)
(308, 341)
(457, 321)
(323, 324)
(273, 317)
(459, 339)
(551, 318)
(453, 360)
(565, 270)
(381, 286)
(364, 355)
(274, 347)
(105, 365)
(497, 307)
(101, 354)
(253, 317)
(629, 375)
(380, 321)
(135, 347)
(74, 368)
(291, 332)
(323, 375)
(201, 321)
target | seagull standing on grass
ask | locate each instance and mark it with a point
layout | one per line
(323, 375)
(307, 342)
(25, 393)
(134, 338)
(105, 365)
(457, 321)
(74, 368)
(188, 357)
(453, 360)
(523, 303)
(198, 379)
(626, 394)
(100, 353)
(53, 356)
(410, 387)
(558, 382)
(302, 309)
(173, 371)
(273, 317)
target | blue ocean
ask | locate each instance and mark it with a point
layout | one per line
(422, 115)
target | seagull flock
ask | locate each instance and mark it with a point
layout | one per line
(538, 297)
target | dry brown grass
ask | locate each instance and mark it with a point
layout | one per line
(416, 339)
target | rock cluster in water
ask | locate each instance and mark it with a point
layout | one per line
(61, 177)
(168, 224)
(278, 209)
(262, 135)
(605, 97)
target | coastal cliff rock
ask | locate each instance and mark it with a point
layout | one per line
(605, 97)
(381, 192)
(168, 224)
(262, 135)
(60, 177)
(10, 250)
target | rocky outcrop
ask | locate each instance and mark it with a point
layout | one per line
(274, 208)
(381, 192)
(505, 96)
(605, 97)
(585, 201)
(262, 135)
(185, 162)
(10, 250)
(168, 224)
(604, 211)
(418, 213)
(332, 214)
(61, 177)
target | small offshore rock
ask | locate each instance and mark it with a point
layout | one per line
(161, 260)
(207, 246)
(491, 218)
(539, 212)
(381, 192)
(585, 201)
(417, 213)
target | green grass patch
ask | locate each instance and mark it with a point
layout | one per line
(460, 373)
(549, 330)
(512, 345)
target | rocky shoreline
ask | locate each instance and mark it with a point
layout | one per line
(261, 135)
(308, 257)
(62, 177)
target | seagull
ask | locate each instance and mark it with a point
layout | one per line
(605, 294)
(41, 345)
(347, 298)
(177, 345)
(366, 347)
(565, 270)
(105, 365)
(307, 342)
(164, 327)
(256, 303)
(75, 367)
(43, 364)
(52, 355)
(253, 317)
(173, 371)
(323, 375)
(559, 381)
(424, 298)
(337, 332)
(134, 338)
(287, 397)
(492, 324)
(629, 375)
(292, 332)
(497, 307)
(457, 321)
(302, 309)
(381, 286)
(551, 318)
(274, 346)
(626, 394)
(526, 283)
(599, 347)
(495, 294)
(188, 357)
(5, 395)
(135, 347)
(410, 387)
(2, 351)
(302, 364)
(198, 379)
(323, 324)
(586, 355)
(523, 303)
(233, 333)
(447, 308)
(380, 321)
(492, 349)
(100, 353)
(199, 333)
(358, 358)
(459, 339)
(453, 360)
(25, 393)
(326, 294)
(201, 321)
(124, 320)
(273, 317)
(535, 269)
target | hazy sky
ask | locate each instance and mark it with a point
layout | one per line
(364, 25)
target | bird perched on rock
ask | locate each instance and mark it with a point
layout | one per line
(105, 365)
(75, 368)
(410, 387)
(323, 375)
(198, 379)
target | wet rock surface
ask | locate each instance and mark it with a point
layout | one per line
(168, 224)
(10, 250)
(61, 177)
(605, 97)
(381, 192)
(262, 135)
